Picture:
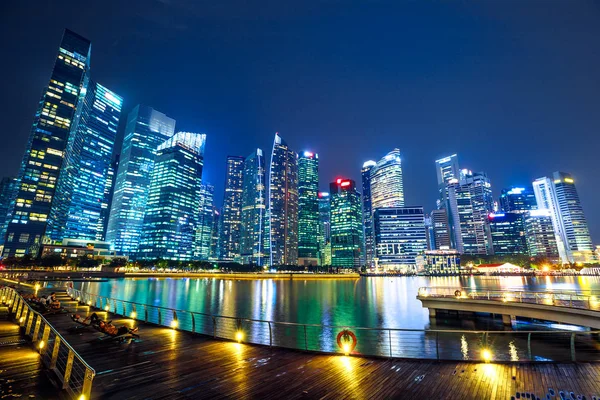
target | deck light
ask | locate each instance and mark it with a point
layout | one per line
(106, 308)
(487, 355)
(21, 320)
(174, 324)
(346, 348)
(78, 298)
(239, 336)
(41, 344)
(133, 315)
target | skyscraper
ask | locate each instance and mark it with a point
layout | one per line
(387, 187)
(308, 208)
(58, 109)
(215, 237)
(441, 230)
(173, 207)
(539, 233)
(517, 199)
(324, 229)
(559, 196)
(253, 209)
(146, 129)
(367, 210)
(399, 237)
(8, 188)
(77, 206)
(283, 204)
(447, 169)
(508, 233)
(109, 189)
(229, 242)
(346, 224)
(203, 239)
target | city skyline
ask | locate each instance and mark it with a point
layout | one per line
(448, 106)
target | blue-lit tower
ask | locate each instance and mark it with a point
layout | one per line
(253, 210)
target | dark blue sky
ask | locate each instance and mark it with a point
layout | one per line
(511, 86)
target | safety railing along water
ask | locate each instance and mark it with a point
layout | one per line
(75, 375)
(437, 344)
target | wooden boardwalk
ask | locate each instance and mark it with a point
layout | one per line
(169, 364)
(21, 374)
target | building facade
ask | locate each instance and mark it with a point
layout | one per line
(346, 224)
(173, 207)
(308, 209)
(229, 242)
(441, 230)
(387, 185)
(539, 233)
(365, 173)
(442, 262)
(517, 200)
(146, 129)
(58, 110)
(324, 228)
(8, 188)
(253, 209)
(400, 237)
(81, 189)
(508, 233)
(205, 222)
(283, 204)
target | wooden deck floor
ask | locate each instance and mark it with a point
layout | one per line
(168, 364)
(21, 374)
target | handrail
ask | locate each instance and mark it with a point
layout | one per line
(74, 372)
(373, 341)
(485, 289)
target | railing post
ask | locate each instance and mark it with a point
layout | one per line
(55, 350)
(214, 327)
(305, 339)
(29, 324)
(36, 330)
(45, 336)
(145, 313)
(270, 335)
(390, 339)
(529, 347)
(570, 300)
(68, 369)
(573, 358)
(159, 317)
(193, 322)
(437, 345)
(86, 390)
(488, 294)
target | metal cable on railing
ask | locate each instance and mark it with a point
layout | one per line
(510, 346)
(75, 374)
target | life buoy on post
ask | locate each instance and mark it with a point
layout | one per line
(347, 341)
(458, 294)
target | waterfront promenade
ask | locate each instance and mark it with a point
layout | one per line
(170, 364)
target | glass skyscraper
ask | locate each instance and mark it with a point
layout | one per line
(441, 229)
(399, 237)
(77, 207)
(365, 173)
(387, 187)
(539, 233)
(203, 241)
(308, 208)
(517, 199)
(146, 129)
(508, 233)
(109, 188)
(173, 206)
(324, 229)
(58, 110)
(230, 238)
(253, 209)
(283, 204)
(346, 224)
(8, 187)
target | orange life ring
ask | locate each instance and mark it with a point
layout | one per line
(346, 333)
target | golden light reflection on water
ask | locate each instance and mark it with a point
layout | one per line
(464, 347)
(491, 371)
(512, 350)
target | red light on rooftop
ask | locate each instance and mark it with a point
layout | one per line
(339, 180)
(345, 183)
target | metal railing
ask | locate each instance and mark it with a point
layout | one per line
(586, 300)
(505, 346)
(75, 375)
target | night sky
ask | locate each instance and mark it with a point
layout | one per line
(511, 86)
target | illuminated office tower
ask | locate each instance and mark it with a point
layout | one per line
(399, 237)
(77, 207)
(387, 188)
(508, 233)
(469, 201)
(517, 200)
(324, 229)
(229, 242)
(8, 187)
(283, 204)
(447, 170)
(441, 230)
(109, 188)
(146, 129)
(215, 235)
(367, 210)
(173, 207)
(204, 230)
(57, 111)
(253, 209)
(539, 234)
(346, 224)
(308, 209)
(559, 195)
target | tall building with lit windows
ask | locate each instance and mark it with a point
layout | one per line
(559, 196)
(8, 186)
(253, 209)
(231, 217)
(146, 129)
(172, 213)
(77, 207)
(324, 229)
(446, 170)
(517, 200)
(308, 208)
(283, 204)
(346, 224)
(365, 173)
(109, 188)
(387, 187)
(203, 239)
(58, 109)
(539, 234)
